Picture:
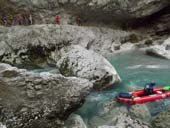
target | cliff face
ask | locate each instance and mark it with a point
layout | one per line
(124, 8)
(104, 11)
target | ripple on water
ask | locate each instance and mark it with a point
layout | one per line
(148, 67)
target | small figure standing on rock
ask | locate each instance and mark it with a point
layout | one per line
(4, 19)
(30, 19)
(25, 20)
(18, 20)
(78, 21)
(57, 19)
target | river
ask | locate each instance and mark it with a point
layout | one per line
(135, 69)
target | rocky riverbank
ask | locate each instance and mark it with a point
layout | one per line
(87, 32)
(160, 50)
(34, 100)
(50, 98)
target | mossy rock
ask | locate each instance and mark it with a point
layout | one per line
(149, 42)
(65, 69)
(132, 38)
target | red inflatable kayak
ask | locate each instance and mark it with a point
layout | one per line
(139, 97)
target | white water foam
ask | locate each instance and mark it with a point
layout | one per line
(149, 67)
(158, 66)
(134, 66)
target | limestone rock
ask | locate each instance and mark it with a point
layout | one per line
(162, 50)
(108, 117)
(87, 64)
(38, 99)
(39, 45)
(118, 116)
(117, 8)
(75, 121)
(119, 121)
(124, 121)
(141, 112)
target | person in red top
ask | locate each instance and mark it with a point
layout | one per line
(57, 19)
(19, 20)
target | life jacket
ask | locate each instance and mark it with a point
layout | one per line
(148, 89)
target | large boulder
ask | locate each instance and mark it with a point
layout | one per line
(77, 61)
(31, 100)
(161, 50)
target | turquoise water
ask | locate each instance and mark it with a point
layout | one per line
(49, 69)
(138, 68)
(135, 69)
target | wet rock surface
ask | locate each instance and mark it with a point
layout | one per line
(141, 112)
(122, 121)
(30, 100)
(87, 64)
(75, 121)
(119, 116)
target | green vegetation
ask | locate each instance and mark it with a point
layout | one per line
(65, 69)
(133, 38)
(149, 42)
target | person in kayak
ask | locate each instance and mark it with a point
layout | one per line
(149, 88)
